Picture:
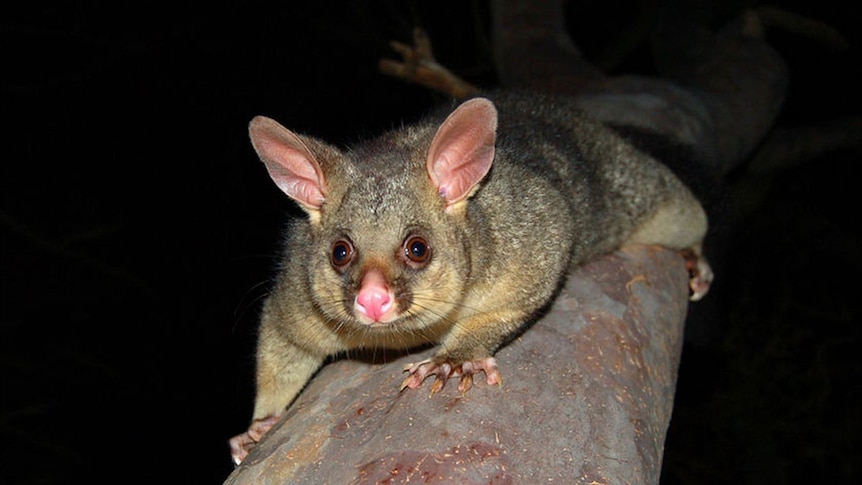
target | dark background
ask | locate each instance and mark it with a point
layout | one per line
(139, 232)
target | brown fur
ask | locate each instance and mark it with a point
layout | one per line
(561, 190)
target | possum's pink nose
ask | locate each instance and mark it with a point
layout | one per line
(374, 299)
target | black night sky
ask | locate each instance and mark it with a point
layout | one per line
(138, 232)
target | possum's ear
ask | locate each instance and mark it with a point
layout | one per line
(463, 150)
(290, 163)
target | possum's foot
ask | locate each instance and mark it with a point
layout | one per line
(241, 444)
(443, 370)
(700, 275)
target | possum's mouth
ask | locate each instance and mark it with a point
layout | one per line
(396, 321)
(379, 323)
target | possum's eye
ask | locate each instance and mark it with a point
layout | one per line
(342, 253)
(417, 252)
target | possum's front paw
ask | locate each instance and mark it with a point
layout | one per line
(241, 444)
(443, 369)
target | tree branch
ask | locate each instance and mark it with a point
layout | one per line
(587, 397)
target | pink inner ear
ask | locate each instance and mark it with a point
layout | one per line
(463, 149)
(290, 163)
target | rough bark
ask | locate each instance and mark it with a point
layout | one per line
(586, 397)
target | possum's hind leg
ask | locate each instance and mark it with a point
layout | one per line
(680, 224)
(699, 272)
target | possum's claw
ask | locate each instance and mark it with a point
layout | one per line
(443, 370)
(241, 444)
(700, 275)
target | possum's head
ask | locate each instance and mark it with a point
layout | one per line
(387, 218)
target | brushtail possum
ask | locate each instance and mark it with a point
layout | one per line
(456, 231)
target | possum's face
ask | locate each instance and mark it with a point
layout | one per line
(389, 264)
(390, 252)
